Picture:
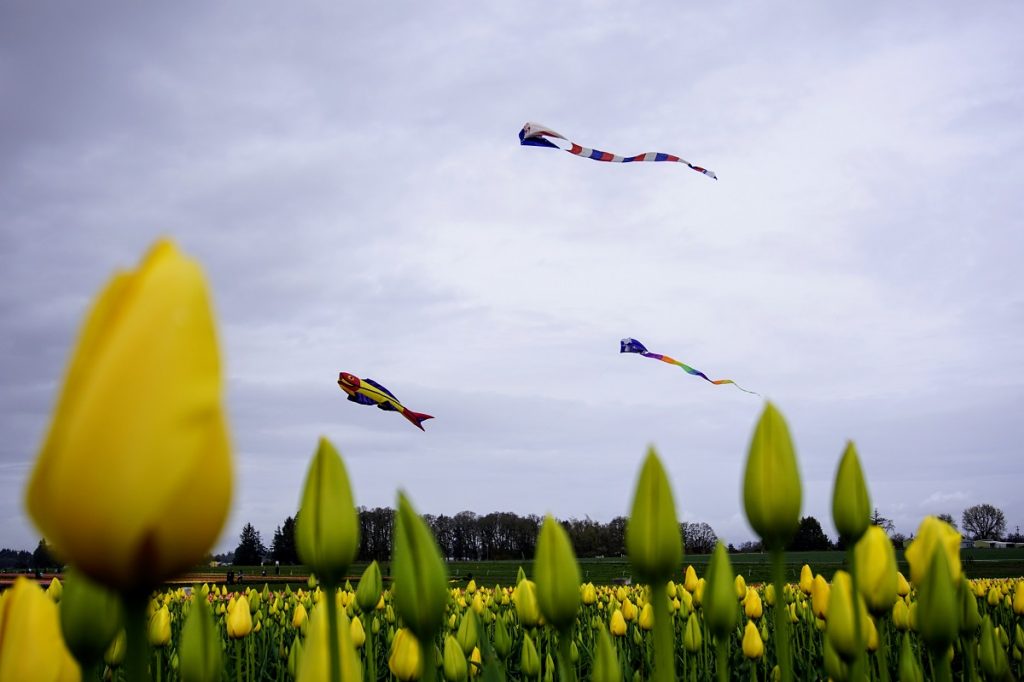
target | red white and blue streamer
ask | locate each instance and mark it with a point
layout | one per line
(537, 135)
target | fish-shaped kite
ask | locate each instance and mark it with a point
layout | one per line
(369, 392)
(628, 345)
(537, 135)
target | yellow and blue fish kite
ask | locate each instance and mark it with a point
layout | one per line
(369, 392)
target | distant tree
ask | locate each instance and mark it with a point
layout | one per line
(1015, 536)
(750, 546)
(250, 550)
(15, 558)
(698, 537)
(984, 522)
(885, 524)
(41, 557)
(282, 547)
(948, 518)
(809, 537)
(899, 540)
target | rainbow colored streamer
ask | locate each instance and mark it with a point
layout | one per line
(630, 345)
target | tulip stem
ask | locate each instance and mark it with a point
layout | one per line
(940, 665)
(722, 658)
(429, 659)
(781, 617)
(137, 636)
(332, 629)
(664, 640)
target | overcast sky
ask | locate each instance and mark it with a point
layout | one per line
(350, 178)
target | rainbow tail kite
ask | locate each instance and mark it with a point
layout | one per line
(537, 135)
(629, 345)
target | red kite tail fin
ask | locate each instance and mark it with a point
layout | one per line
(416, 418)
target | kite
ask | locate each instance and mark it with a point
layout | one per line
(369, 392)
(537, 135)
(629, 345)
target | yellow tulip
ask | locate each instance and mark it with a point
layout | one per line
(160, 627)
(588, 594)
(753, 647)
(901, 615)
(690, 579)
(841, 630)
(300, 616)
(646, 620)
(629, 611)
(55, 590)
(876, 570)
(740, 585)
(405, 662)
(806, 579)
(902, 586)
(557, 574)
(239, 619)
(819, 596)
(357, 632)
(525, 597)
(1018, 598)
(692, 637)
(476, 662)
(933, 535)
(454, 667)
(31, 646)
(752, 604)
(529, 659)
(315, 663)
(139, 426)
(617, 624)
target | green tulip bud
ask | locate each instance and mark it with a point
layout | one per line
(327, 526)
(970, 619)
(692, 637)
(851, 506)
(771, 483)
(558, 576)
(834, 664)
(526, 603)
(200, 644)
(455, 667)
(653, 541)
(992, 654)
(114, 655)
(719, 595)
(467, 633)
(420, 589)
(529, 662)
(909, 670)
(502, 640)
(90, 617)
(371, 585)
(938, 606)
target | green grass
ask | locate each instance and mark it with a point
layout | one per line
(754, 567)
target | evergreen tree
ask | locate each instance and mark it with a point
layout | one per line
(41, 557)
(283, 546)
(250, 550)
(809, 537)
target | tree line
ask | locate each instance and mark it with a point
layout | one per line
(465, 536)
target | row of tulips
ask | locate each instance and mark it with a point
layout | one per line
(119, 459)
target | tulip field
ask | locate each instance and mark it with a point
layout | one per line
(151, 483)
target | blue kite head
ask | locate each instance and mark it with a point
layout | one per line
(630, 345)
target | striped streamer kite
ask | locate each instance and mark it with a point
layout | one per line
(537, 135)
(629, 345)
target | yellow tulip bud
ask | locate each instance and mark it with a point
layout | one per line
(239, 620)
(588, 594)
(740, 586)
(315, 660)
(54, 590)
(200, 644)
(606, 663)
(357, 632)
(160, 627)
(646, 620)
(150, 333)
(690, 579)
(991, 653)
(902, 586)
(841, 629)
(819, 596)
(300, 616)
(933, 535)
(753, 647)
(371, 587)
(529, 661)
(692, 637)
(525, 596)
(90, 617)
(851, 506)
(653, 540)
(752, 604)
(769, 594)
(327, 527)
(806, 579)
(901, 615)
(557, 575)
(685, 603)
(629, 611)
(476, 662)
(31, 646)
(617, 625)
(114, 654)
(420, 589)
(720, 597)
(455, 667)
(670, 589)
(771, 482)
(876, 570)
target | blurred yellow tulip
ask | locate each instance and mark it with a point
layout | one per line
(876, 570)
(31, 645)
(771, 481)
(160, 627)
(139, 426)
(933, 535)
(690, 579)
(806, 579)
(819, 596)
(752, 604)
